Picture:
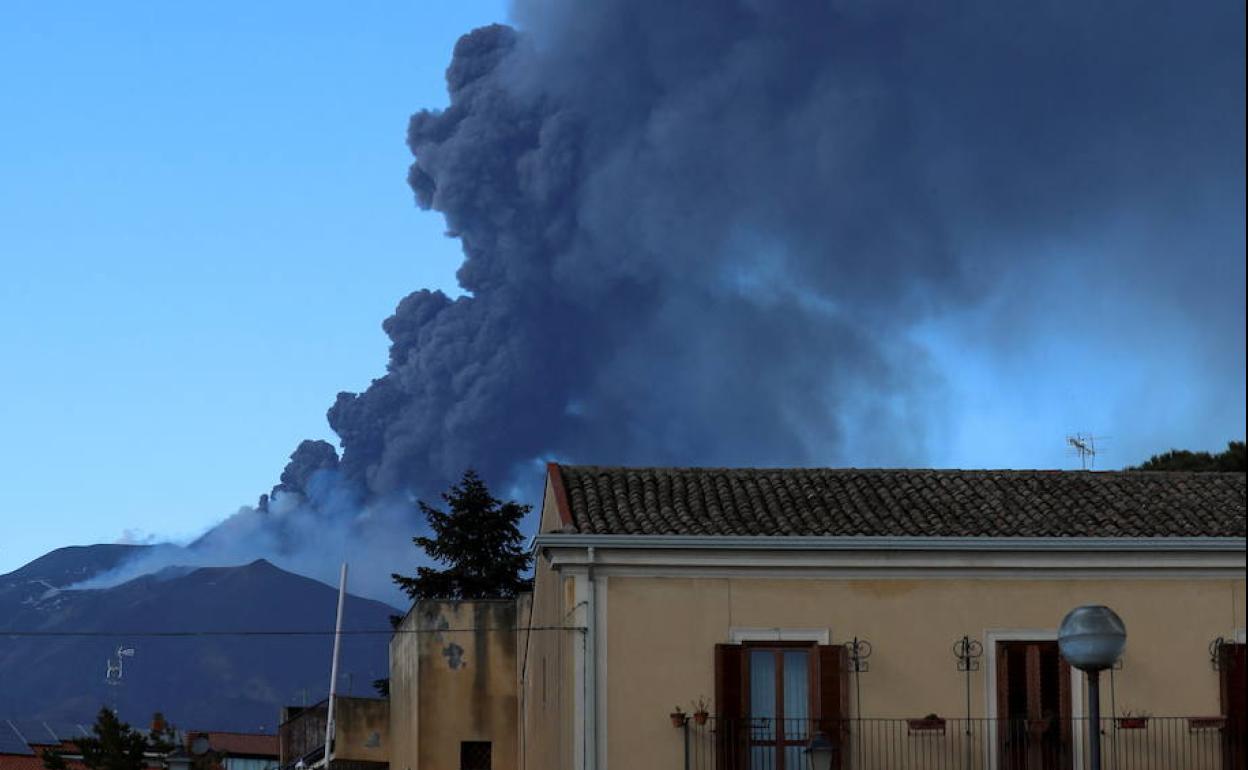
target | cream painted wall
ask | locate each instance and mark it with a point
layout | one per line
(547, 671)
(661, 633)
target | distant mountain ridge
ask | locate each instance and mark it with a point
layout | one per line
(64, 567)
(222, 680)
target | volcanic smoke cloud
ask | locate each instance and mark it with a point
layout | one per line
(706, 232)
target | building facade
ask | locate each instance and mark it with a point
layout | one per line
(856, 603)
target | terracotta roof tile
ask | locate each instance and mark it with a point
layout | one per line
(902, 503)
(239, 744)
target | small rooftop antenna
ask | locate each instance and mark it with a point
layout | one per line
(1084, 445)
(112, 674)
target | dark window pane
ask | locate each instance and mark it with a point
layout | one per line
(475, 755)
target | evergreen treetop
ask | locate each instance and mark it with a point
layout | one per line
(114, 745)
(1232, 459)
(478, 540)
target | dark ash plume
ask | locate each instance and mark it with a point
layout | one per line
(701, 232)
(706, 232)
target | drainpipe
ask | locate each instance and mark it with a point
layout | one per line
(591, 669)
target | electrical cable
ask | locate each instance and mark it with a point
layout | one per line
(274, 632)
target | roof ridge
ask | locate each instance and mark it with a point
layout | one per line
(653, 500)
(894, 469)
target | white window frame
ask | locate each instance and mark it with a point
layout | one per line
(741, 634)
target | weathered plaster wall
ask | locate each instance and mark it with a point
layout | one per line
(362, 730)
(454, 681)
(404, 672)
(361, 734)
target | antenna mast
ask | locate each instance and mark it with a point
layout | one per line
(1084, 445)
(113, 672)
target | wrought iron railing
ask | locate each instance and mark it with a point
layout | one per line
(1140, 743)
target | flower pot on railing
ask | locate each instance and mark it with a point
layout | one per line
(700, 712)
(678, 718)
(928, 724)
(1132, 723)
(1206, 723)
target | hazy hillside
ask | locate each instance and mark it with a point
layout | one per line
(225, 682)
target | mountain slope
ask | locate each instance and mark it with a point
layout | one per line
(60, 568)
(221, 681)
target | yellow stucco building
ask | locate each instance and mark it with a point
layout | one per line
(747, 589)
(904, 618)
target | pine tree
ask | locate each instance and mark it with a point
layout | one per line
(478, 541)
(1230, 460)
(114, 746)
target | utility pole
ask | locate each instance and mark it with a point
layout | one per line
(333, 669)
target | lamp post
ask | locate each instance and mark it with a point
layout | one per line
(1091, 639)
(820, 751)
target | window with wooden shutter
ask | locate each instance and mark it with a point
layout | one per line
(769, 695)
(730, 725)
(1033, 707)
(1234, 672)
(833, 707)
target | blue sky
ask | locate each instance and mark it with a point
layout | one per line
(204, 219)
(183, 189)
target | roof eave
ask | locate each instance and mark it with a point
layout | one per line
(890, 543)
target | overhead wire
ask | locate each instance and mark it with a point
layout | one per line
(277, 632)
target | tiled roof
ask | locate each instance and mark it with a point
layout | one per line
(32, 762)
(20, 762)
(239, 744)
(898, 503)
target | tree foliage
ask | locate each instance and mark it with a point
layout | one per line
(114, 745)
(477, 539)
(1232, 459)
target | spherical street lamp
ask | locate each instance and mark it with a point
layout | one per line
(1092, 638)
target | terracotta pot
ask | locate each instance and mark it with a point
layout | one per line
(678, 718)
(700, 717)
(1206, 723)
(926, 725)
(1132, 723)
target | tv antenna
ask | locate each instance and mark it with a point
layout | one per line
(1084, 445)
(112, 674)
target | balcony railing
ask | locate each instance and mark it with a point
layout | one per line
(1151, 743)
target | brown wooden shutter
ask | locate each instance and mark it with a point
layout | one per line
(1233, 667)
(1004, 724)
(730, 707)
(833, 706)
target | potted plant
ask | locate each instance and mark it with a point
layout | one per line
(928, 724)
(1129, 721)
(1206, 723)
(678, 717)
(700, 714)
